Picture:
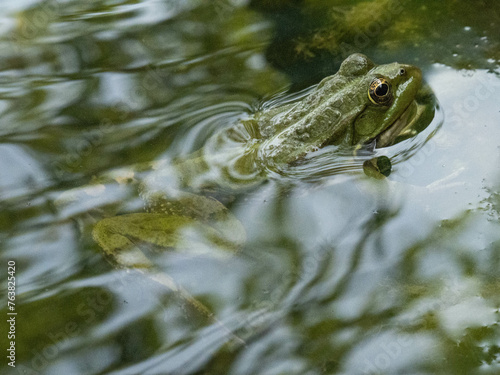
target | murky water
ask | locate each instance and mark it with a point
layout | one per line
(340, 273)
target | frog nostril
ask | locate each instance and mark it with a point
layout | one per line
(402, 71)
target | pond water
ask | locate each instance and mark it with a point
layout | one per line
(340, 274)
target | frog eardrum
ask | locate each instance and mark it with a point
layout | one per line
(380, 91)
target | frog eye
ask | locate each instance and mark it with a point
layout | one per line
(380, 91)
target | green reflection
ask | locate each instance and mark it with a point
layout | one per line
(363, 280)
(460, 34)
(52, 323)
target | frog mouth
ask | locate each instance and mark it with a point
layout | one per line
(414, 119)
(405, 126)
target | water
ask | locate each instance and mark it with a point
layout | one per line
(340, 274)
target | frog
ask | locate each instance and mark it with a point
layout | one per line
(362, 104)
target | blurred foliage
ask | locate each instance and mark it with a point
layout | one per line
(325, 284)
(312, 37)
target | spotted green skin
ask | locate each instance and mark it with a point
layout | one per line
(338, 111)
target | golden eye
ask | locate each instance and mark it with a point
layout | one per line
(380, 92)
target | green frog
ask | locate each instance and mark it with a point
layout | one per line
(361, 104)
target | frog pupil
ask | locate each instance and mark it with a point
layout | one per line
(382, 89)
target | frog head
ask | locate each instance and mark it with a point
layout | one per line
(390, 92)
(362, 103)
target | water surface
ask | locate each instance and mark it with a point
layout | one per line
(341, 274)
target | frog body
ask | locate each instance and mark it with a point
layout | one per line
(362, 103)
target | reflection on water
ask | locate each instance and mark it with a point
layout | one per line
(340, 273)
(461, 34)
